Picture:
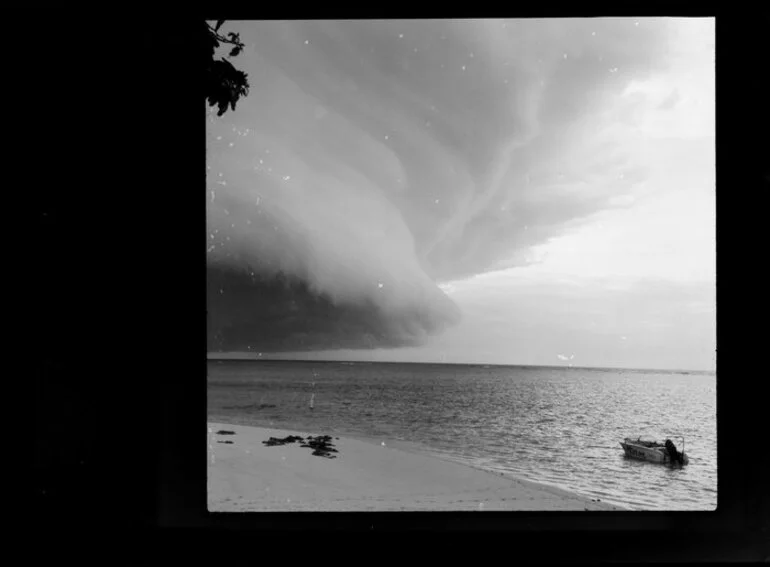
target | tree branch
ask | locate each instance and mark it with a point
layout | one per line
(221, 38)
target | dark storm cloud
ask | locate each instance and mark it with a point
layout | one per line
(373, 159)
(281, 314)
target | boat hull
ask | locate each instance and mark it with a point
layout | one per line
(656, 454)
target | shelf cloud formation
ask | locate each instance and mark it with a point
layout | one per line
(375, 160)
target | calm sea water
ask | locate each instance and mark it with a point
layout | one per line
(560, 426)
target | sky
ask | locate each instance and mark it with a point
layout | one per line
(471, 191)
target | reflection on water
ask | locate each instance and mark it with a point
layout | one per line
(561, 426)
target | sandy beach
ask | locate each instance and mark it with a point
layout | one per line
(246, 475)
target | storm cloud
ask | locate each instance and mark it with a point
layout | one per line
(373, 160)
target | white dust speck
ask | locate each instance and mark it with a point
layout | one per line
(401, 35)
(463, 67)
(380, 285)
(219, 137)
(307, 42)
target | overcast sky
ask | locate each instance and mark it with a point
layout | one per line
(491, 191)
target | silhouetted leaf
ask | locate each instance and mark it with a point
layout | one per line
(224, 67)
(224, 84)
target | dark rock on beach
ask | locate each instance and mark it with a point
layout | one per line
(322, 444)
(225, 432)
(273, 441)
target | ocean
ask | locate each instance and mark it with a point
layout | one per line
(556, 425)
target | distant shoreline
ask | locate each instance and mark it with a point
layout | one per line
(248, 357)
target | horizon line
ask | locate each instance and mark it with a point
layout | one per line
(254, 357)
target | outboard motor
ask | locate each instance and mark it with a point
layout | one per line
(676, 456)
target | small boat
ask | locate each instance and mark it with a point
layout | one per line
(653, 451)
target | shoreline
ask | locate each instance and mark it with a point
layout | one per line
(365, 475)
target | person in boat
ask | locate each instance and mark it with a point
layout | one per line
(676, 456)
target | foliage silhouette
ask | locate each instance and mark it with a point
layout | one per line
(224, 84)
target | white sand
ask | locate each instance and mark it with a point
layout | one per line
(249, 476)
